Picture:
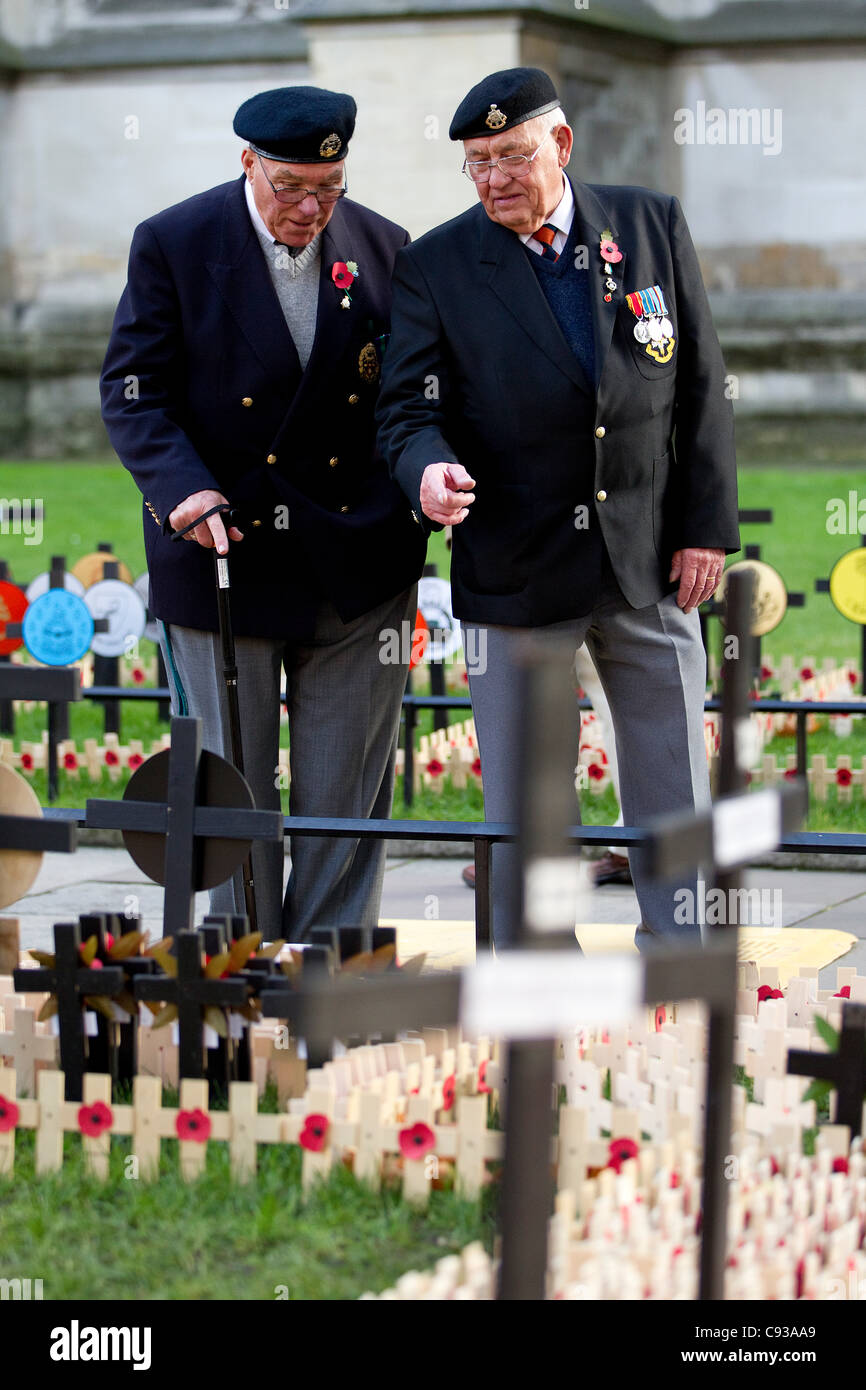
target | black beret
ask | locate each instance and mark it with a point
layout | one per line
(502, 100)
(297, 125)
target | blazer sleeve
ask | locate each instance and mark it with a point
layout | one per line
(414, 394)
(704, 418)
(142, 384)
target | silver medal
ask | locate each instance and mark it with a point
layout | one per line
(654, 328)
(610, 284)
(667, 328)
(641, 332)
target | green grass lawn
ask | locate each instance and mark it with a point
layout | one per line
(86, 503)
(215, 1239)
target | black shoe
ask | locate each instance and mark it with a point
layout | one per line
(612, 868)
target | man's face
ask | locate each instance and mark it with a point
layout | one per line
(295, 224)
(523, 204)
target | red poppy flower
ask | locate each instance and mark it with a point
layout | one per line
(194, 1125)
(314, 1135)
(70, 760)
(27, 761)
(766, 673)
(483, 1088)
(843, 993)
(416, 1141)
(661, 1017)
(476, 767)
(790, 773)
(766, 992)
(137, 675)
(610, 252)
(8, 1115)
(806, 673)
(109, 941)
(852, 677)
(774, 1167)
(135, 760)
(95, 1119)
(843, 776)
(341, 275)
(465, 678)
(435, 768)
(449, 1086)
(676, 1180)
(111, 757)
(840, 1165)
(619, 1150)
(596, 772)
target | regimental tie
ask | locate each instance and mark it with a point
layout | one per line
(546, 236)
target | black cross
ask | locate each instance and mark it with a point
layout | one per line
(71, 982)
(191, 993)
(58, 685)
(184, 822)
(845, 1068)
(114, 1049)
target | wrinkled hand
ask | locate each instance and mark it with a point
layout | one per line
(699, 572)
(441, 497)
(208, 533)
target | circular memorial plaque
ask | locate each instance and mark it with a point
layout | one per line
(90, 569)
(434, 600)
(219, 784)
(18, 867)
(42, 583)
(848, 585)
(770, 599)
(13, 605)
(125, 612)
(58, 628)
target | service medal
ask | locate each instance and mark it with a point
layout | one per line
(653, 330)
(641, 332)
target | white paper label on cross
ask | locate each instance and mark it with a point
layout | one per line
(542, 994)
(555, 891)
(745, 826)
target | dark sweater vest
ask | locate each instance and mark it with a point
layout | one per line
(566, 290)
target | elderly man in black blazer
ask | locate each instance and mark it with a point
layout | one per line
(555, 391)
(244, 365)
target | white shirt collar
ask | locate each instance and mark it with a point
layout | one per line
(255, 215)
(563, 214)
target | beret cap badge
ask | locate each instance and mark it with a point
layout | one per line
(330, 145)
(495, 118)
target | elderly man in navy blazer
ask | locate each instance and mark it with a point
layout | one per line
(554, 390)
(244, 366)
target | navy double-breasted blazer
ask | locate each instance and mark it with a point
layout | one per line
(639, 461)
(202, 388)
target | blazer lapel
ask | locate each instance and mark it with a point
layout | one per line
(592, 222)
(242, 278)
(334, 325)
(513, 281)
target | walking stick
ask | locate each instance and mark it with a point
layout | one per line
(230, 676)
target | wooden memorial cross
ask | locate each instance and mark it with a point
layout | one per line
(191, 993)
(58, 685)
(180, 824)
(26, 1047)
(845, 1068)
(71, 982)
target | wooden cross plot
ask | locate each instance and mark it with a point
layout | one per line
(71, 982)
(58, 685)
(191, 993)
(845, 1068)
(183, 823)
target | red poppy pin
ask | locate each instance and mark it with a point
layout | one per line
(193, 1125)
(449, 1086)
(314, 1135)
(95, 1119)
(416, 1141)
(344, 274)
(8, 1115)
(767, 992)
(619, 1150)
(483, 1088)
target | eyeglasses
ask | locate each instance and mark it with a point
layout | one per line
(516, 165)
(291, 196)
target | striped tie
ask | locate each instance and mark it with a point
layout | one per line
(545, 235)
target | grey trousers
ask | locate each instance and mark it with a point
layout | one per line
(652, 666)
(343, 704)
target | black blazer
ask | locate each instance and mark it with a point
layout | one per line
(478, 371)
(202, 385)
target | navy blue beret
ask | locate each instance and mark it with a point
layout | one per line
(297, 125)
(502, 100)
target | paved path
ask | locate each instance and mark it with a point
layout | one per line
(106, 880)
